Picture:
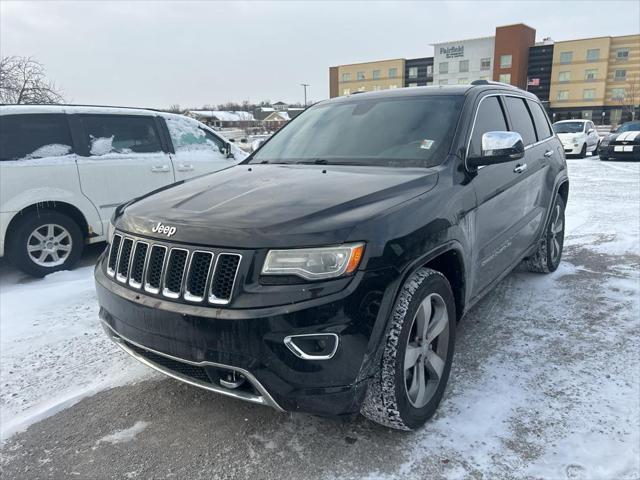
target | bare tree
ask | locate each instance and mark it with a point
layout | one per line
(24, 80)
(175, 108)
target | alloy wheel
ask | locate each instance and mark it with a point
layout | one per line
(426, 351)
(49, 245)
(557, 226)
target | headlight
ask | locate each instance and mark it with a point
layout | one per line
(314, 263)
(604, 142)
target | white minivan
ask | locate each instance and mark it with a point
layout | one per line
(64, 169)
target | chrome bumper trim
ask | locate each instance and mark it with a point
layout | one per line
(263, 399)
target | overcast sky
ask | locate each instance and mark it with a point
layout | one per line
(156, 54)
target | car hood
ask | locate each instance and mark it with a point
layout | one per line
(625, 138)
(568, 137)
(263, 206)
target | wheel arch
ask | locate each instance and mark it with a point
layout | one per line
(62, 207)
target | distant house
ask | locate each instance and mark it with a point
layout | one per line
(224, 119)
(280, 106)
(261, 113)
(278, 118)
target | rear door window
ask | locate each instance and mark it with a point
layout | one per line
(31, 136)
(540, 120)
(521, 119)
(120, 134)
(489, 118)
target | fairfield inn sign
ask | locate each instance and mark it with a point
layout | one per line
(452, 52)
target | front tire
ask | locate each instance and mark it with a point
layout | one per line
(549, 253)
(583, 152)
(44, 242)
(417, 356)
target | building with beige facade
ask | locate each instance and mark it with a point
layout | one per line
(366, 77)
(596, 78)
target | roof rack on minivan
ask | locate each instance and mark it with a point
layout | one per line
(74, 105)
(491, 82)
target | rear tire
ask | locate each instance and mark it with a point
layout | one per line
(44, 242)
(549, 253)
(417, 356)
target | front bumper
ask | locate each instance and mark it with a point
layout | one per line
(251, 344)
(571, 149)
(620, 152)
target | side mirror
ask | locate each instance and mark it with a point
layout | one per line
(498, 147)
(590, 131)
(226, 150)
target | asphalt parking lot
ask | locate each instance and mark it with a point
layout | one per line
(545, 384)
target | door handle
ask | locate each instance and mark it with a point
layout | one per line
(185, 168)
(548, 153)
(160, 168)
(520, 168)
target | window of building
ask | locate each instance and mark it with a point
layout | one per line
(443, 82)
(393, 72)
(563, 95)
(429, 70)
(620, 75)
(413, 84)
(593, 54)
(376, 75)
(34, 136)
(622, 54)
(489, 118)
(413, 72)
(505, 77)
(591, 74)
(521, 119)
(443, 67)
(566, 57)
(360, 75)
(615, 116)
(393, 86)
(618, 93)
(505, 61)
(485, 64)
(589, 93)
(463, 81)
(539, 120)
(346, 91)
(346, 77)
(588, 115)
(464, 65)
(120, 134)
(564, 76)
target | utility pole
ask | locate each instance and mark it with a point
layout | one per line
(305, 85)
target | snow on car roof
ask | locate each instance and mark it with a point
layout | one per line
(224, 116)
(29, 109)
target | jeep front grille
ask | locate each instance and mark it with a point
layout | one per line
(175, 272)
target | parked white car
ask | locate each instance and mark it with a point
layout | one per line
(64, 169)
(578, 137)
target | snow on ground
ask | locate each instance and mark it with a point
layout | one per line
(545, 380)
(53, 351)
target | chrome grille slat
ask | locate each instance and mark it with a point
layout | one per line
(176, 272)
(124, 260)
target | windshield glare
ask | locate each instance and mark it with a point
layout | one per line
(629, 127)
(569, 127)
(403, 132)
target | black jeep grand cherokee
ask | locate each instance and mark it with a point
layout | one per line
(327, 272)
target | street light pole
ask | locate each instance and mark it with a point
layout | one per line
(305, 85)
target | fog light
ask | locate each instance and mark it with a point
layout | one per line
(313, 346)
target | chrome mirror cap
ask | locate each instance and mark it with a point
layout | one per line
(498, 147)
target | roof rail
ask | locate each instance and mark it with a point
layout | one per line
(75, 105)
(491, 82)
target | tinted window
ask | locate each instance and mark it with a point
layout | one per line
(120, 134)
(187, 135)
(489, 118)
(34, 136)
(392, 131)
(540, 120)
(521, 120)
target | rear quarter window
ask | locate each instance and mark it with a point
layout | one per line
(521, 121)
(32, 136)
(540, 120)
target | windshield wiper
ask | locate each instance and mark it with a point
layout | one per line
(314, 161)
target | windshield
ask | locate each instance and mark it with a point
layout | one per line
(629, 127)
(569, 127)
(399, 132)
